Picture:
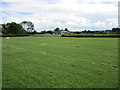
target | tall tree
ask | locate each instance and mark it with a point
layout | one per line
(57, 29)
(12, 28)
(66, 29)
(116, 30)
(27, 25)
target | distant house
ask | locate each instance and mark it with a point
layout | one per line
(108, 32)
(61, 32)
(65, 32)
(55, 32)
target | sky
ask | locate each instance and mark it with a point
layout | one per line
(76, 15)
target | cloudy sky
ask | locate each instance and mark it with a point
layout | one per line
(73, 14)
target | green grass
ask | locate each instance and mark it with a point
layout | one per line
(91, 35)
(58, 62)
(0, 62)
(46, 35)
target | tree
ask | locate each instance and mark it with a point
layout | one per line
(43, 32)
(66, 29)
(12, 28)
(34, 32)
(27, 25)
(57, 29)
(61, 30)
(0, 28)
(24, 24)
(50, 32)
(116, 30)
(4, 29)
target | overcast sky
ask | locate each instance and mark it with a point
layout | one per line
(72, 14)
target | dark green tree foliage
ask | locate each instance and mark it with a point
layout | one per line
(43, 32)
(0, 28)
(27, 25)
(12, 28)
(66, 29)
(4, 29)
(34, 32)
(57, 29)
(116, 30)
(50, 32)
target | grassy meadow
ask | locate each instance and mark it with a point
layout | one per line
(0, 62)
(59, 62)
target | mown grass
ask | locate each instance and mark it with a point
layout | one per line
(58, 62)
(91, 35)
(46, 35)
(0, 63)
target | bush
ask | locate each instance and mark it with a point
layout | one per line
(114, 36)
(15, 35)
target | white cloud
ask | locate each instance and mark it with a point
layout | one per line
(73, 14)
(106, 24)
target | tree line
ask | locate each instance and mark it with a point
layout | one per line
(25, 27)
(55, 31)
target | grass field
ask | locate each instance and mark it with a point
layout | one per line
(59, 62)
(0, 62)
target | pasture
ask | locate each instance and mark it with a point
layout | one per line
(59, 62)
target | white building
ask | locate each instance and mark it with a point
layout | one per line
(64, 32)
